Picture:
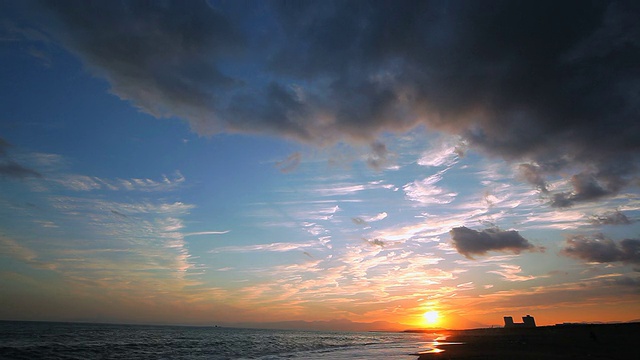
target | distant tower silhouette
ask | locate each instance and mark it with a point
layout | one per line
(508, 321)
(527, 322)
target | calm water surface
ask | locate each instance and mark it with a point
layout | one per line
(44, 340)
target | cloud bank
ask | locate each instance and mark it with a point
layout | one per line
(598, 248)
(470, 242)
(544, 83)
(611, 218)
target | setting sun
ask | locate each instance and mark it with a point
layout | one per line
(430, 317)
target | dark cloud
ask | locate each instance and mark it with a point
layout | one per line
(14, 170)
(610, 218)
(631, 282)
(162, 56)
(543, 82)
(379, 156)
(10, 168)
(358, 221)
(586, 187)
(470, 242)
(4, 145)
(598, 248)
(377, 242)
(119, 214)
(534, 175)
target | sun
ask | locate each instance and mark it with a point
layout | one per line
(431, 317)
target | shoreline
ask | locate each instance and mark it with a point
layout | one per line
(593, 341)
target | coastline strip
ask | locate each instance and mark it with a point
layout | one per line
(596, 341)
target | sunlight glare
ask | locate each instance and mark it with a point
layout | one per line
(430, 317)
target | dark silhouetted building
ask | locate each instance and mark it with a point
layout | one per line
(527, 322)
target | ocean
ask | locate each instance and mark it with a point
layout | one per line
(49, 340)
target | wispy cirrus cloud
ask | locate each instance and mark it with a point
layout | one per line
(54, 173)
(200, 233)
(511, 273)
(445, 153)
(270, 247)
(355, 279)
(426, 191)
(562, 220)
(133, 256)
(89, 183)
(350, 189)
(11, 248)
(113, 243)
(380, 216)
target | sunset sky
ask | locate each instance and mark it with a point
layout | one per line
(226, 162)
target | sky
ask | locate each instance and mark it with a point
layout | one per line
(347, 162)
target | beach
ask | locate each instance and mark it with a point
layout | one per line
(574, 341)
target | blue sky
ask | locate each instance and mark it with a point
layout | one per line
(253, 162)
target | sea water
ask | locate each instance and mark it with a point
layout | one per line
(47, 340)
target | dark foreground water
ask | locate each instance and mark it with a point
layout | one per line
(45, 340)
